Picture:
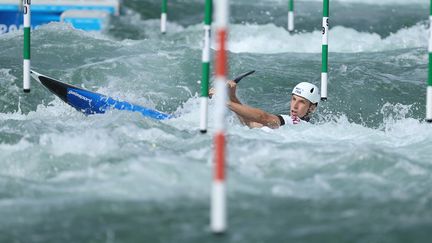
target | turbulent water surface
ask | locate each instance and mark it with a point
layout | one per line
(361, 172)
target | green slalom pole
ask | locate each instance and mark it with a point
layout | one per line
(291, 15)
(26, 50)
(429, 84)
(206, 66)
(164, 16)
(325, 31)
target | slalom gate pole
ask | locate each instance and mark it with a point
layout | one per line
(26, 50)
(291, 15)
(429, 84)
(218, 214)
(206, 66)
(325, 30)
(164, 16)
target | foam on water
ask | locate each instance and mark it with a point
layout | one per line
(271, 39)
(161, 168)
(312, 161)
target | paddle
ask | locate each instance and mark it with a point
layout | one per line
(238, 78)
(243, 75)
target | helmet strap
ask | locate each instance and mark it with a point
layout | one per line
(306, 117)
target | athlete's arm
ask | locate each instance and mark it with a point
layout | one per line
(237, 101)
(232, 94)
(250, 116)
(233, 98)
(254, 117)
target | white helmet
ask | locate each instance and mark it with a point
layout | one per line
(308, 91)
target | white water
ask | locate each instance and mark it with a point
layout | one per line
(271, 39)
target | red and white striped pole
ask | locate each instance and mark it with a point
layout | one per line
(218, 215)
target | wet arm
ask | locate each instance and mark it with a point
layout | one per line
(253, 117)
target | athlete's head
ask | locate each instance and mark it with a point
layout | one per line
(304, 100)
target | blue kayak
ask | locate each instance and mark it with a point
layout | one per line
(90, 102)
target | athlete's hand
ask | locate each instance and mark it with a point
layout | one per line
(212, 92)
(232, 87)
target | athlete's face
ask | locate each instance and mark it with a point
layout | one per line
(300, 106)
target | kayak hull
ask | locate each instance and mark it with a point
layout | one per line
(89, 102)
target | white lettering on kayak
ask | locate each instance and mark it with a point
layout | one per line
(79, 96)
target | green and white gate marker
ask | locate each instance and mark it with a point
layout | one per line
(429, 86)
(26, 51)
(325, 30)
(291, 15)
(206, 66)
(164, 16)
